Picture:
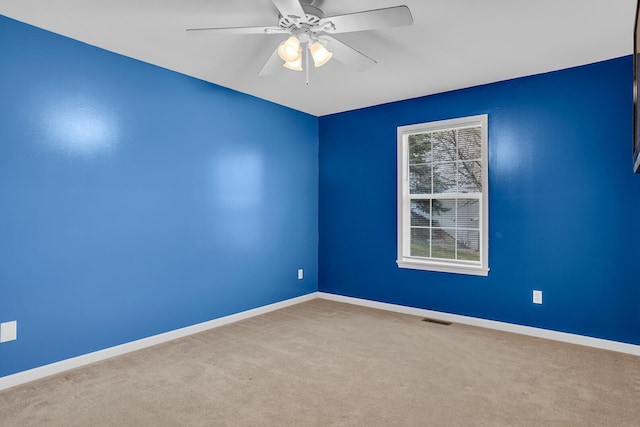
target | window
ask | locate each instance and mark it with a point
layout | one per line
(442, 196)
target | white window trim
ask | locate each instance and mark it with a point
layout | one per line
(404, 216)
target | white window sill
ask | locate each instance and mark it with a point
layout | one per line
(444, 268)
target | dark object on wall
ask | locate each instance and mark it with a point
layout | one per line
(636, 112)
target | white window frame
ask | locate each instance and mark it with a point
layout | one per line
(405, 260)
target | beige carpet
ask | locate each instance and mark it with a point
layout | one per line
(323, 363)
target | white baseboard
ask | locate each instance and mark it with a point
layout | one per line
(76, 362)
(491, 324)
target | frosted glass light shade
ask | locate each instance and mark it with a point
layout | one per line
(320, 55)
(289, 50)
(294, 65)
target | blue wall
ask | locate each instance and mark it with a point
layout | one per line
(134, 200)
(563, 213)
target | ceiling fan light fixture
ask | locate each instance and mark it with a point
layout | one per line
(289, 50)
(320, 54)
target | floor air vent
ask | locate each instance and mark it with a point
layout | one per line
(439, 322)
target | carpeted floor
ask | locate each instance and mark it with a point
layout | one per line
(324, 363)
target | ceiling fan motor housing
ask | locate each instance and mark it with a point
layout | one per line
(312, 18)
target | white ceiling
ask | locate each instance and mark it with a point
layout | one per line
(452, 44)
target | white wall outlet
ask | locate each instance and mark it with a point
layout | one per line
(8, 331)
(300, 274)
(537, 297)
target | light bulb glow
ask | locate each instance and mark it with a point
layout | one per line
(289, 49)
(320, 54)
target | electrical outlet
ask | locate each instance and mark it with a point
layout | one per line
(300, 274)
(537, 297)
(8, 331)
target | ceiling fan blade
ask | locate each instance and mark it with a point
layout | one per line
(234, 30)
(348, 55)
(289, 8)
(397, 16)
(273, 64)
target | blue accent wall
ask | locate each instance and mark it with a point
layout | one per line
(563, 213)
(135, 200)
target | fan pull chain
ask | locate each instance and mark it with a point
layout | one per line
(306, 60)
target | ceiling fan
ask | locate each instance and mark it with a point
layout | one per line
(310, 34)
